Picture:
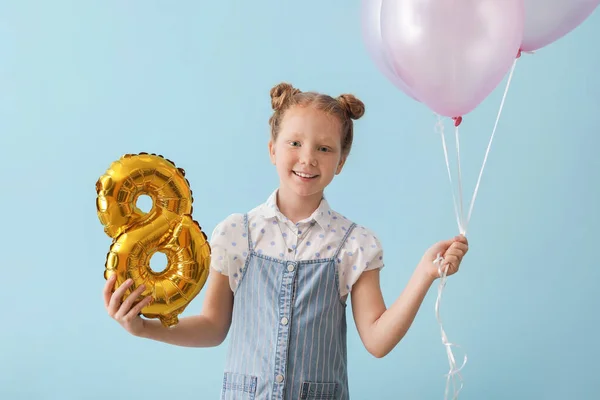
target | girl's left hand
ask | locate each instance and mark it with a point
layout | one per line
(452, 250)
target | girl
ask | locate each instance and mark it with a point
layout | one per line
(281, 273)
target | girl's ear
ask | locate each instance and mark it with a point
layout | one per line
(272, 151)
(340, 165)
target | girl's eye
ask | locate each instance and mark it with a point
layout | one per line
(324, 149)
(294, 143)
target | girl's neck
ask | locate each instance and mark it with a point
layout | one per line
(296, 208)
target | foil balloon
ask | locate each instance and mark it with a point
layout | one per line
(549, 20)
(167, 228)
(452, 53)
(371, 33)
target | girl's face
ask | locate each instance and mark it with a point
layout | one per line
(308, 150)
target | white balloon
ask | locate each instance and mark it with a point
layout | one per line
(549, 20)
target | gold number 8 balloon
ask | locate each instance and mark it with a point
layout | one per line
(167, 228)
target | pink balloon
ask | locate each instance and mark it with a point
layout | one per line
(549, 20)
(371, 32)
(452, 53)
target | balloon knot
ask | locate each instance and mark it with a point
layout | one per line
(457, 120)
(519, 53)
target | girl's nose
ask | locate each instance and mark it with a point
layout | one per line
(308, 158)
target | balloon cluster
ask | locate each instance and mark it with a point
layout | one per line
(451, 54)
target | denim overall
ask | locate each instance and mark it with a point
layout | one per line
(288, 331)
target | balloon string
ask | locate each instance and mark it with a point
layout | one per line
(462, 227)
(440, 128)
(487, 151)
(454, 372)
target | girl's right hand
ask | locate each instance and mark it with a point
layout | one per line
(125, 313)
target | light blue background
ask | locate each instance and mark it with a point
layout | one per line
(83, 82)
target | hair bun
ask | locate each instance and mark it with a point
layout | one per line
(281, 94)
(353, 106)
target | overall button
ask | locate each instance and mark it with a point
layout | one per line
(291, 267)
(284, 321)
(279, 378)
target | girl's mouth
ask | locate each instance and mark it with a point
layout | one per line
(303, 175)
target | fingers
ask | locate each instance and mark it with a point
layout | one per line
(459, 247)
(115, 299)
(137, 309)
(128, 303)
(449, 247)
(461, 239)
(452, 250)
(453, 264)
(457, 240)
(108, 288)
(455, 254)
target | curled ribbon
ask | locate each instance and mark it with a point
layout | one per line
(454, 372)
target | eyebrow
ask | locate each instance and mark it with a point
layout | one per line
(322, 138)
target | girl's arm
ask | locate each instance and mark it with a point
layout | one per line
(381, 329)
(205, 330)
